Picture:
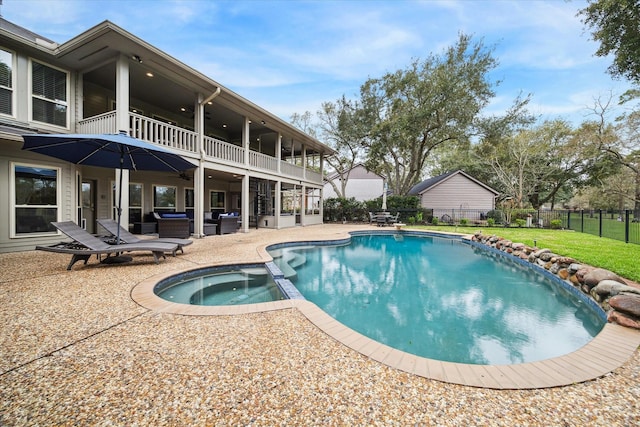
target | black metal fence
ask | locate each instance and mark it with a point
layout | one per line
(621, 225)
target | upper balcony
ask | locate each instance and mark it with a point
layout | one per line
(215, 150)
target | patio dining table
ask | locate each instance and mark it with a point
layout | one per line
(382, 218)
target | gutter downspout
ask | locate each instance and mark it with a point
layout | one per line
(199, 214)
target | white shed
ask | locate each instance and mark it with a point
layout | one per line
(361, 184)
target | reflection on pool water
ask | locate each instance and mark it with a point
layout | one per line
(220, 286)
(441, 298)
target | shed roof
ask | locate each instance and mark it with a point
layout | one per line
(427, 184)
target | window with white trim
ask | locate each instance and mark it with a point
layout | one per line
(136, 190)
(6, 82)
(35, 200)
(312, 201)
(49, 94)
(189, 201)
(217, 202)
(164, 198)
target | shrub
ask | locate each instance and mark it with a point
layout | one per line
(496, 215)
(464, 221)
(435, 220)
(339, 209)
(412, 220)
(521, 222)
(491, 222)
(556, 224)
(418, 217)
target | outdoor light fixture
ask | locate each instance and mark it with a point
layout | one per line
(264, 123)
(149, 74)
(137, 59)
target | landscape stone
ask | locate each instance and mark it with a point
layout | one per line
(581, 273)
(597, 275)
(623, 320)
(574, 267)
(546, 256)
(540, 252)
(612, 288)
(627, 303)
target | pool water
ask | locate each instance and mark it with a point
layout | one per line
(441, 298)
(220, 286)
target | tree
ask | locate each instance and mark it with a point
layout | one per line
(304, 122)
(627, 152)
(616, 25)
(409, 113)
(620, 143)
(339, 127)
(537, 165)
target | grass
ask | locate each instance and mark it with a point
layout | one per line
(619, 257)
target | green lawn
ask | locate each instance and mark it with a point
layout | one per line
(619, 257)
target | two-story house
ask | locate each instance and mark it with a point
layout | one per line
(106, 80)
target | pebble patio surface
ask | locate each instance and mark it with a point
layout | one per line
(76, 349)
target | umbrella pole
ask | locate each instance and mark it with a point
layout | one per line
(119, 207)
(119, 258)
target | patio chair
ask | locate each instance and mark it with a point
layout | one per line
(84, 245)
(112, 227)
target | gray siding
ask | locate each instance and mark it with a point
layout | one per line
(458, 192)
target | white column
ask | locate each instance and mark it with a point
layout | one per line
(303, 153)
(122, 124)
(279, 151)
(198, 174)
(245, 139)
(277, 208)
(303, 206)
(244, 211)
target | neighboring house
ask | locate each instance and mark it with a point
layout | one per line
(106, 80)
(457, 195)
(361, 184)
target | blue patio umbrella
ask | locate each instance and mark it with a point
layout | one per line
(116, 151)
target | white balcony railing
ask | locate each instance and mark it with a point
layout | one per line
(157, 132)
(262, 161)
(103, 123)
(313, 176)
(292, 170)
(223, 151)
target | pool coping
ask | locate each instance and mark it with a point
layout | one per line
(607, 351)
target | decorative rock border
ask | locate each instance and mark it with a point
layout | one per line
(617, 297)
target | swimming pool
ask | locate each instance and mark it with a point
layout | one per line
(440, 298)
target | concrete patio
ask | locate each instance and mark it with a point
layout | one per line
(77, 349)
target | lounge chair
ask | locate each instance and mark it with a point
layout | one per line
(112, 227)
(84, 245)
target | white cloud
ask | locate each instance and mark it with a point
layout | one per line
(291, 56)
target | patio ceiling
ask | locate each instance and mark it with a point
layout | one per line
(95, 51)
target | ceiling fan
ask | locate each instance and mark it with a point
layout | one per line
(183, 175)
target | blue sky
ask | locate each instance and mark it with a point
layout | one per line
(290, 56)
